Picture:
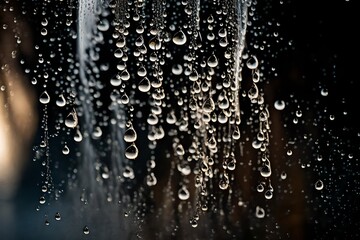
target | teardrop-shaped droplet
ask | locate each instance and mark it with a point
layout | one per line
(155, 43)
(61, 102)
(144, 85)
(44, 98)
(253, 92)
(141, 71)
(179, 38)
(66, 150)
(131, 152)
(130, 135)
(125, 75)
(209, 105)
(212, 61)
(265, 171)
(71, 120)
(78, 136)
(115, 81)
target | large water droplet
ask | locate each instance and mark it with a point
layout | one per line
(131, 152)
(44, 98)
(144, 85)
(252, 62)
(130, 135)
(179, 38)
(209, 105)
(212, 61)
(71, 120)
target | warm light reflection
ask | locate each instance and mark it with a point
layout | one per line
(18, 116)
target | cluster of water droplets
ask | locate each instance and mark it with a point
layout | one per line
(177, 78)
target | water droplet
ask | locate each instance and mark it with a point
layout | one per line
(252, 62)
(319, 185)
(128, 173)
(180, 150)
(177, 69)
(97, 132)
(130, 135)
(61, 102)
(268, 194)
(224, 182)
(78, 136)
(115, 81)
(44, 98)
(144, 85)
(179, 38)
(279, 105)
(86, 230)
(151, 180)
(260, 212)
(125, 75)
(209, 105)
(66, 150)
(71, 120)
(57, 216)
(183, 193)
(131, 152)
(260, 188)
(265, 171)
(154, 43)
(253, 92)
(42, 200)
(212, 61)
(324, 92)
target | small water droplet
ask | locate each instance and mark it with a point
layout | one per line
(57, 216)
(260, 212)
(86, 230)
(66, 150)
(319, 185)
